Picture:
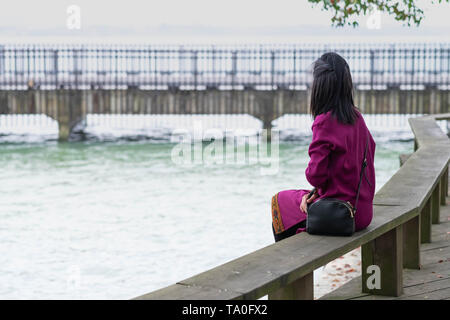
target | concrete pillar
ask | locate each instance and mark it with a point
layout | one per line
(265, 109)
(69, 112)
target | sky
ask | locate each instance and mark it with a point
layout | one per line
(207, 19)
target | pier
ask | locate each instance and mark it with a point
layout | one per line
(408, 241)
(68, 82)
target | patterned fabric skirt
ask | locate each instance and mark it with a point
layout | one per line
(287, 217)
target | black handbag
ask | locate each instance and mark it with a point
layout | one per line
(334, 217)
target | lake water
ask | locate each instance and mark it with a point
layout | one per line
(115, 219)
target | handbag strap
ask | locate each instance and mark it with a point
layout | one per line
(363, 167)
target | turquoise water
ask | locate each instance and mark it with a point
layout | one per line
(118, 219)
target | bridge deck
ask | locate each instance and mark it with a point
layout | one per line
(432, 281)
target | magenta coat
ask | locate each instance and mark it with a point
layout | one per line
(336, 153)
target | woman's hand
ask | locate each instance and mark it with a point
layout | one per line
(306, 201)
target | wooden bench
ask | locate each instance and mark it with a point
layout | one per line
(407, 204)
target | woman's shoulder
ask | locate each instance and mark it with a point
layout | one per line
(329, 120)
(320, 118)
(324, 119)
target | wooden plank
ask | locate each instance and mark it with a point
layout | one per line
(411, 243)
(350, 290)
(281, 263)
(440, 294)
(438, 255)
(426, 165)
(301, 289)
(435, 267)
(439, 241)
(425, 289)
(184, 292)
(404, 157)
(426, 131)
(385, 253)
(428, 274)
(277, 265)
(425, 223)
(445, 211)
(441, 228)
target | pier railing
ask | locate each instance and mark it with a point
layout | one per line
(266, 67)
(404, 210)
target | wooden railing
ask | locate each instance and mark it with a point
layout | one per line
(404, 210)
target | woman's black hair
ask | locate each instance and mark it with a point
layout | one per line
(332, 88)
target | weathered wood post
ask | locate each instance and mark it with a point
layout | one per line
(425, 223)
(435, 204)
(411, 235)
(385, 253)
(444, 186)
(411, 243)
(301, 289)
(448, 122)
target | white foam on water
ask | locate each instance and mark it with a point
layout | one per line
(27, 128)
(31, 128)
